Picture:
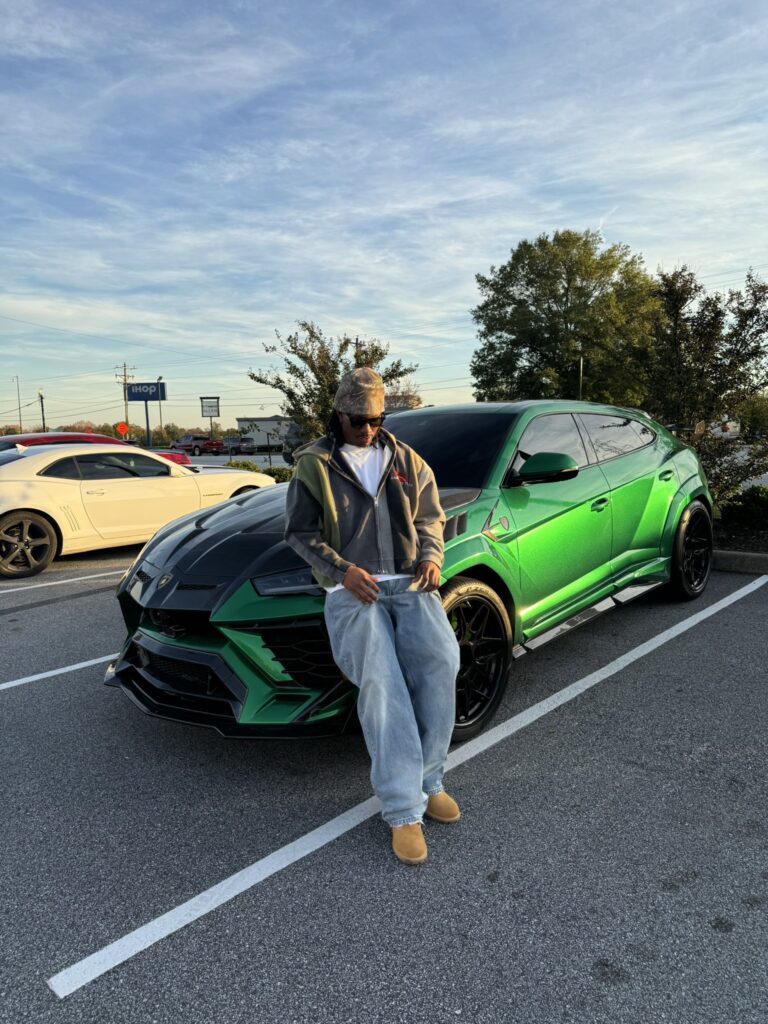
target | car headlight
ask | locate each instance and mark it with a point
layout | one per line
(297, 582)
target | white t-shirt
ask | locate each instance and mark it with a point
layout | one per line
(368, 463)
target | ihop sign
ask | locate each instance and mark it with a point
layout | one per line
(154, 391)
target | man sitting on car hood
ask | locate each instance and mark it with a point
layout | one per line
(363, 510)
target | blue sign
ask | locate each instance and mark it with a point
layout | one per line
(152, 392)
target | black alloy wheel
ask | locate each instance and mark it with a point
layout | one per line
(28, 544)
(196, 450)
(484, 631)
(692, 552)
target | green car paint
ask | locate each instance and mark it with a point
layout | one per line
(605, 519)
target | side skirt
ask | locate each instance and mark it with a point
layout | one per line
(605, 605)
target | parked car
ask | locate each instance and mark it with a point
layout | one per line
(199, 444)
(8, 441)
(56, 437)
(58, 499)
(556, 512)
(180, 458)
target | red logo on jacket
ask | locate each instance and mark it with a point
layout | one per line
(399, 477)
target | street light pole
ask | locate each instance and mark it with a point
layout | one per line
(42, 409)
(18, 400)
(160, 405)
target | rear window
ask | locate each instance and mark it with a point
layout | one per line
(616, 435)
(461, 449)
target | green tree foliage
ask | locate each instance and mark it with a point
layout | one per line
(555, 301)
(710, 356)
(753, 415)
(314, 366)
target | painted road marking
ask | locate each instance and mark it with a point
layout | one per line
(59, 583)
(84, 971)
(57, 671)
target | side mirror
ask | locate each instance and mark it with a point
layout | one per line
(545, 468)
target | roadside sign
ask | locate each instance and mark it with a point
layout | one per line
(152, 391)
(210, 407)
(122, 429)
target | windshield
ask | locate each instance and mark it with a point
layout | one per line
(461, 448)
(9, 456)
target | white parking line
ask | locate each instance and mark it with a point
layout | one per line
(84, 971)
(57, 672)
(58, 583)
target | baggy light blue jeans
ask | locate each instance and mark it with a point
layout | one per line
(403, 656)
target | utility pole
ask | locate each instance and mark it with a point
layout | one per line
(18, 400)
(160, 405)
(42, 409)
(123, 379)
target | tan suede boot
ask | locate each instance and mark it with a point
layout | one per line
(408, 844)
(441, 807)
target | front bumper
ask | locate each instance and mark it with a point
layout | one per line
(198, 687)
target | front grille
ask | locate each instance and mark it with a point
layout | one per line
(303, 648)
(143, 576)
(190, 677)
(179, 624)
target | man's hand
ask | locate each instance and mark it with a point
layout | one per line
(428, 576)
(360, 583)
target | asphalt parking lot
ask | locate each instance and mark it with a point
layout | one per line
(611, 864)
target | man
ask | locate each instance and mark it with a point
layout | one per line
(364, 512)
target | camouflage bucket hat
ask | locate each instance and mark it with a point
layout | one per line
(361, 393)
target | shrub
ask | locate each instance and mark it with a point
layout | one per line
(750, 509)
(280, 473)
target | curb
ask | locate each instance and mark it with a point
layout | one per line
(754, 562)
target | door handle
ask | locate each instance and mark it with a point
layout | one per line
(599, 505)
(94, 492)
(667, 474)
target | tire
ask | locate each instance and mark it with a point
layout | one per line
(692, 552)
(28, 544)
(196, 450)
(482, 626)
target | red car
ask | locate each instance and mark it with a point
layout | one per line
(199, 444)
(61, 437)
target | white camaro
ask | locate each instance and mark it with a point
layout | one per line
(60, 499)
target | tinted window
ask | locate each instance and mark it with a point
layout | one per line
(120, 467)
(616, 435)
(64, 469)
(461, 448)
(557, 433)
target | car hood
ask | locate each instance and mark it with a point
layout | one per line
(241, 538)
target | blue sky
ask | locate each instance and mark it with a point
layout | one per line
(180, 180)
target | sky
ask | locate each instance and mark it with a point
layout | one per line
(179, 180)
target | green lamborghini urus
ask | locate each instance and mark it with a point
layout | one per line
(556, 512)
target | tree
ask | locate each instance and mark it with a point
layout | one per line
(403, 394)
(753, 415)
(710, 356)
(314, 366)
(564, 318)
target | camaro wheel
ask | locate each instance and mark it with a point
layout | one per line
(196, 450)
(482, 627)
(692, 552)
(28, 544)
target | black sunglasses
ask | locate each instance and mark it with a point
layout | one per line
(360, 421)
